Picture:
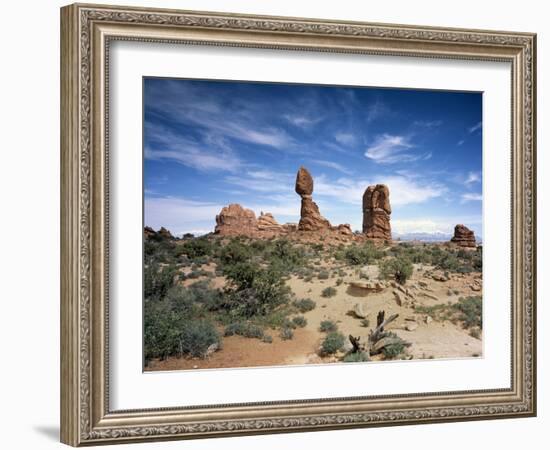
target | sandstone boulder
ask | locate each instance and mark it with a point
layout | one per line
(464, 237)
(376, 212)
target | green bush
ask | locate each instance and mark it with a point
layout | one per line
(399, 269)
(356, 357)
(333, 342)
(299, 321)
(267, 339)
(157, 280)
(235, 252)
(328, 326)
(161, 330)
(304, 305)
(245, 329)
(197, 336)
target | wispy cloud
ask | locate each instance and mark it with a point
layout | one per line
(459, 143)
(345, 138)
(427, 123)
(472, 177)
(470, 197)
(332, 165)
(376, 110)
(164, 144)
(474, 128)
(301, 121)
(389, 149)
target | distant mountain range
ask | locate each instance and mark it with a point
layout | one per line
(427, 237)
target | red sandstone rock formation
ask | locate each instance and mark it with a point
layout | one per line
(376, 212)
(266, 222)
(235, 220)
(310, 217)
(464, 237)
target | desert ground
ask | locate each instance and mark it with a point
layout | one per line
(220, 302)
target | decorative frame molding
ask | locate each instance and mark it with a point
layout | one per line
(86, 31)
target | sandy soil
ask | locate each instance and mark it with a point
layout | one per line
(430, 339)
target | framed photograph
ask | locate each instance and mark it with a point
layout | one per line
(277, 224)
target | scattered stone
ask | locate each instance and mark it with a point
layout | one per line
(475, 287)
(376, 212)
(464, 237)
(428, 319)
(411, 326)
(439, 277)
(359, 311)
(399, 298)
(423, 284)
(375, 286)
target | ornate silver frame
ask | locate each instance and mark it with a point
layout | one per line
(86, 31)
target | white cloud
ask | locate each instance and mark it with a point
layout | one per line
(403, 190)
(389, 149)
(473, 177)
(197, 158)
(470, 197)
(345, 138)
(376, 110)
(422, 226)
(180, 215)
(459, 143)
(474, 128)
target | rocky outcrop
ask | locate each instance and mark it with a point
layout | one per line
(266, 222)
(464, 237)
(235, 220)
(376, 212)
(163, 233)
(310, 217)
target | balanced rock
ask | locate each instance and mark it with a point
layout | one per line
(464, 237)
(235, 220)
(310, 217)
(376, 212)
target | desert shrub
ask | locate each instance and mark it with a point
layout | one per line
(256, 291)
(394, 349)
(467, 310)
(299, 321)
(323, 275)
(267, 339)
(197, 336)
(195, 248)
(333, 342)
(399, 269)
(328, 326)
(356, 357)
(329, 292)
(360, 254)
(161, 330)
(286, 334)
(339, 281)
(304, 305)
(157, 280)
(235, 252)
(285, 255)
(245, 329)
(470, 309)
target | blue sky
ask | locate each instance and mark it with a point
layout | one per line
(211, 143)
